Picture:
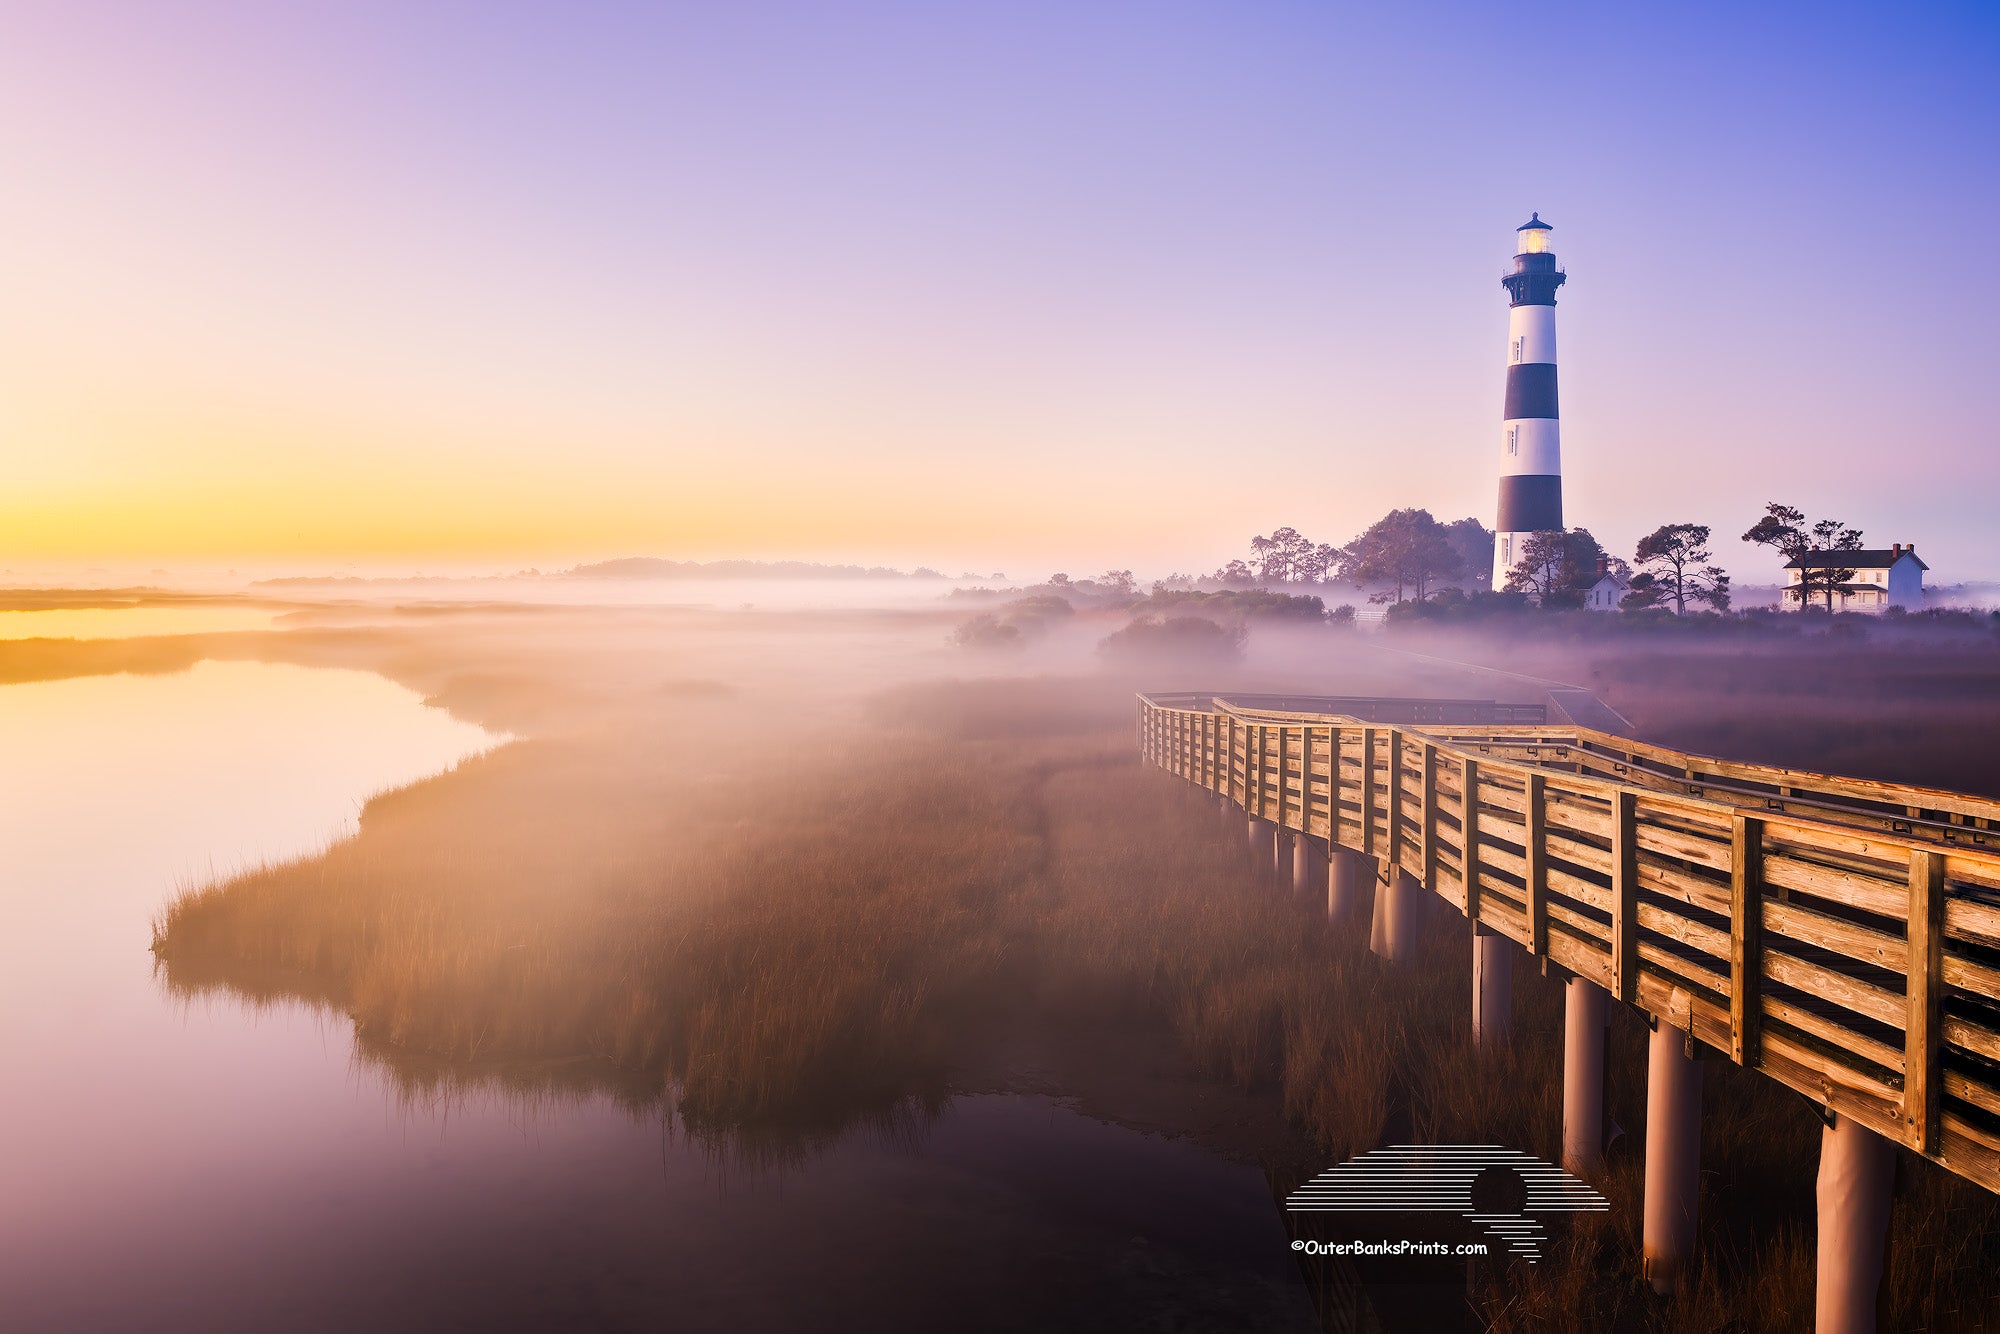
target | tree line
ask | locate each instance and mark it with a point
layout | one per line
(1408, 553)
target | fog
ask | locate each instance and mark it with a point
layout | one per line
(802, 863)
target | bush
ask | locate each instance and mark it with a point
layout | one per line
(1455, 604)
(1036, 611)
(1188, 638)
(987, 631)
(1014, 624)
(1239, 604)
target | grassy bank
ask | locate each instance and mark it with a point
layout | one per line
(775, 915)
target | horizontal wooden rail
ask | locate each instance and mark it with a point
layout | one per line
(1857, 964)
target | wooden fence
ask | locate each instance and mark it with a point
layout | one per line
(1843, 937)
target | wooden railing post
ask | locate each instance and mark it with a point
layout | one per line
(1923, 1074)
(1746, 944)
(1284, 780)
(1249, 765)
(1368, 792)
(1263, 767)
(1305, 782)
(1395, 797)
(1335, 753)
(1468, 835)
(1229, 761)
(1430, 816)
(1535, 852)
(1624, 895)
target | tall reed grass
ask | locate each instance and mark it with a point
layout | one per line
(781, 923)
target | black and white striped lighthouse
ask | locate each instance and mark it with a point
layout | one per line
(1530, 445)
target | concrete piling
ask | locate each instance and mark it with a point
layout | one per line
(1309, 866)
(1492, 988)
(1393, 932)
(1346, 877)
(1263, 843)
(1586, 1013)
(1673, 1158)
(1857, 1174)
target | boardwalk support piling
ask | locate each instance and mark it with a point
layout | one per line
(1308, 866)
(1492, 988)
(1347, 875)
(1857, 1170)
(1263, 844)
(1586, 1012)
(1393, 934)
(1673, 1157)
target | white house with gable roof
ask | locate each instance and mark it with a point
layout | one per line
(1880, 579)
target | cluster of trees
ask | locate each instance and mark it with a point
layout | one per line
(1675, 568)
(1407, 548)
(1255, 604)
(1015, 624)
(1787, 531)
(1409, 554)
(1557, 568)
(1672, 568)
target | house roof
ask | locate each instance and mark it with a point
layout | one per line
(1880, 559)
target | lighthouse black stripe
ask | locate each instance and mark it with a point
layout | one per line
(1531, 390)
(1530, 503)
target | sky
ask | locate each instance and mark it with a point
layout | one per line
(1023, 286)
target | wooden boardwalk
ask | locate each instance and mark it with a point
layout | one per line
(1842, 936)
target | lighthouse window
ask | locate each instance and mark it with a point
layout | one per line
(1513, 440)
(1517, 348)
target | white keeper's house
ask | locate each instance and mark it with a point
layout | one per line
(1607, 592)
(1881, 579)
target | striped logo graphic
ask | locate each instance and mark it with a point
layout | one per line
(1499, 1190)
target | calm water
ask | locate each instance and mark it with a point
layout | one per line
(221, 1167)
(127, 622)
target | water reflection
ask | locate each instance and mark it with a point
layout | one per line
(223, 1155)
(131, 622)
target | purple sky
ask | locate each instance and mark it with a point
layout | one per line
(1022, 286)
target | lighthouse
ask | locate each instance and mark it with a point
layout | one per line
(1530, 449)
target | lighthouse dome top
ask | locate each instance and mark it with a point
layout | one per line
(1534, 223)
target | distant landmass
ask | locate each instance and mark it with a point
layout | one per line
(647, 567)
(652, 567)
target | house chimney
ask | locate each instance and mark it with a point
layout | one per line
(1603, 565)
(1896, 549)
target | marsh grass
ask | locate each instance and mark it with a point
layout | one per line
(782, 925)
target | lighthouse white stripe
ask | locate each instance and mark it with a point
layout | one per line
(1531, 446)
(1531, 334)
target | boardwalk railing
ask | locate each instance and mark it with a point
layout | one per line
(1841, 936)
